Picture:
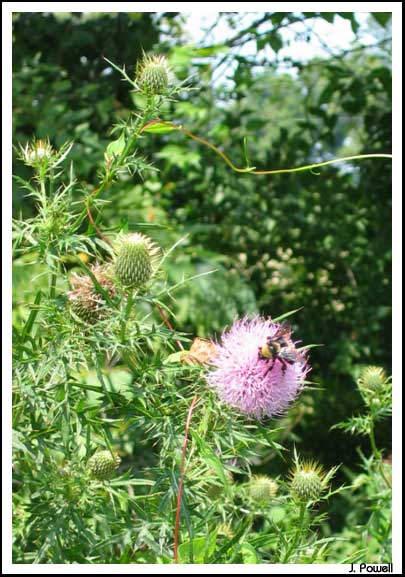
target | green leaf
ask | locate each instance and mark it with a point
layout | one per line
(249, 554)
(213, 461)
(116, 147)
(277, 514)
(158, 127)
(175, 357)
(276, 41)
(202, 549)
(285, 315)
(211, 50)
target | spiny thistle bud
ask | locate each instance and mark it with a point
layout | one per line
(152, 74)
(103, 464)
(262, 489)
(37, 153)
(135, 260)
(85, 301)
(372, 379)
(225, 530)
(307, 481)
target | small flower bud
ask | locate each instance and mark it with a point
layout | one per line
(85, 301)
(135, 260)
(372, 379)
(102, 465)
(86, 308)
(307, 481)
(152, 75)
(39, 152)
(262, 489)
(226, 530)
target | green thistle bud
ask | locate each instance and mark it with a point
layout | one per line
(372, 379)
(307, 481)
(103, 464)
(152, 74)
(262, 489)
(225, 530)
(135, 260)
(39, 152)
(86, 308)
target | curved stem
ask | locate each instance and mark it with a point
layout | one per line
(377, 454)
(251, 170)
(181, 480)
(93, 222)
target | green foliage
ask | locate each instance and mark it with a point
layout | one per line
(232, 244)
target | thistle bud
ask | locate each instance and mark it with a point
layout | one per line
(102, 465)
(135, 260)
(85, 301)
(307, 481)
(152, 74)
(86, 307)
(38, 153)
(262, 489)
(372, 379)
(226, 530)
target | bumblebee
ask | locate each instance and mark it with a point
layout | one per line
(279, 347)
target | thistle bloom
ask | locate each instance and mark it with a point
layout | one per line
(243, 379)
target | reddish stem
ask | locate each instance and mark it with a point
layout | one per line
(99, 232)
(168, 324)
(181, 479)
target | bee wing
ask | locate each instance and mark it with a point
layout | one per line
(283, 330)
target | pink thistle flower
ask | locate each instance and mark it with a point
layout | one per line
(242, 377)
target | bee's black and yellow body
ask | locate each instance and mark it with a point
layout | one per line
(279, 347)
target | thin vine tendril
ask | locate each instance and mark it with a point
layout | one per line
(251, 170)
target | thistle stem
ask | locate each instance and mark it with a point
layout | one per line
(52, 285)
(374, 449)
(377, 454)
(181, 480)
(298, 533)
(127, 312)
